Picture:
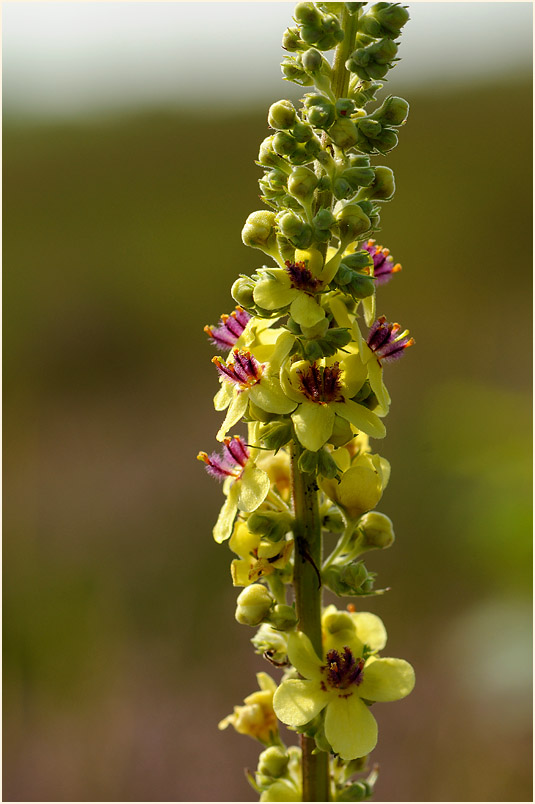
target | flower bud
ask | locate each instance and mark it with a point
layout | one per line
(291, 40)
(271, 643)
(272, 525)
(268, 157)
(392, 112)
(390, 16)
(273, 761)
(253, 605)
(352, 222)
(377, 531)
(383, 186)
(343, 133)
(386, 141)
(320, 111)
(311, 60)
(294, 71)
(283, 143)
(302, 132)
(308, 462)
(276, 434)
(307, 14)
(344, 107)
(369, 128)
(349, 579)
(334, 621)
(259, 231)
(302, 182)
(282, 115)
(283, 617)
(242, 292)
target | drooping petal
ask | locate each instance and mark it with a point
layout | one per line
(370, 629)
(355, 373)
(350, 727)
(303, 656)
(269, 396)
(225, 521)
(296, 702)
(360, 417)
(281, 350)
(368, 305)
(386, 680)
(236, 410)
(313, 424)
(254, 488)
(306, 311)
(223, 397)
(375, 376)
(243, 542)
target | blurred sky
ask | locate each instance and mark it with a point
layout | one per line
(63, 58)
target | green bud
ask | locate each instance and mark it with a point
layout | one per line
(282, 115)
(268, 157)
(317, 331)
(358, 285)
(359, 161)
(352, 222)
(392, 112)
(377, 531)
(302, 132)
(386, 141)
(358, 260)
(291, 225)
(273, 525)
(359, 176)
(242, 291)
(391, 16)
(342, 432)
(344, 107)
(291, 40)
(336, 621)
(273, 761)
(370, 128)
(308, 462)
(276, 434)
(313, 352)
(294, 71)
(365, 92)
(343, 133)
(324, 219)
(283, 143)
(342, 190)
(357, 791)
(302, 182)
(326, 465)
(383, 186)
(333, 521)
(271, 643)
(307, 14)
(253, 605)
(259, 231)
(312, 60)
(320, 111)
(283, 617)
(349, 579)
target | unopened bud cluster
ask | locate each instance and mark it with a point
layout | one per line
(301, 370)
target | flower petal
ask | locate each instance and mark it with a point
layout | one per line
(254, 488)
(350, 727)
(370, 629)
(360, 417)
(306, 311)
(386, 680)
(303, 656)
(355, 373)
(313, 424)
(296, 702)
(275, 291)
(223, 397)
(225, 520)
(237, 408)
(375, 376)
(269, 396)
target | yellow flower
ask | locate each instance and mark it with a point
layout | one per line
(343, 683)
(256, 718)
(258, 557)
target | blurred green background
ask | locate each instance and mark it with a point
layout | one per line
(121, 654)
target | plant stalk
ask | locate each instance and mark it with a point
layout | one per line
(307, 588)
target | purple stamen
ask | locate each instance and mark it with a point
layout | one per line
(321, 383)
(383, 264)
(245, 371)
(235, 455)
(343, 670)
(229, 329)
(386, 341)
(301, 277)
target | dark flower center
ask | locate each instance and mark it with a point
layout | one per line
(321, 383)
(342, 670)
(302, 277)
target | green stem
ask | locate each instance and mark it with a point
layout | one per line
(307, 561)
(342, 544)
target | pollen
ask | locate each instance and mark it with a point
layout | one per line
(302, 277)
(342, 670)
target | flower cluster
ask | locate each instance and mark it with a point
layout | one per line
(301, 373)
